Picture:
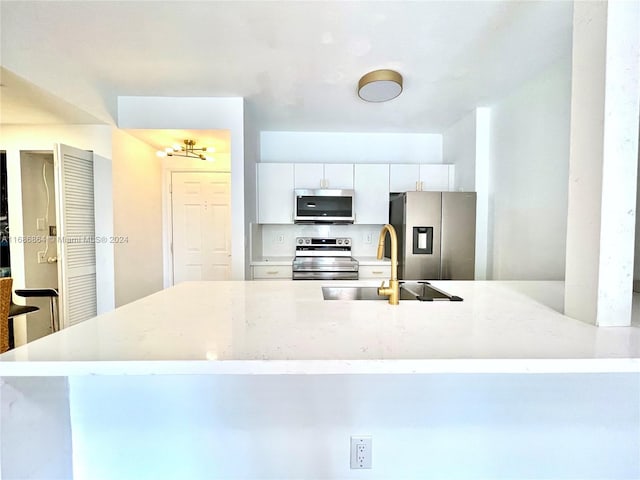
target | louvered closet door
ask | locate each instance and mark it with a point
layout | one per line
(76, 234)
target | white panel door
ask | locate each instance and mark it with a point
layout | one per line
(201, 214)
(76, 233)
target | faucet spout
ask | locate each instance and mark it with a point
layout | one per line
(393, 290)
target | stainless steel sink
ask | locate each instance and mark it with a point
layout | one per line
(360, 293)
(426, 292)
(417, 290)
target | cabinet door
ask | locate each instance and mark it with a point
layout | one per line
(275, 193)
(435, 177)
(371, 193)
(261, 272)
(338, 176)
(308, 175)
(404, 177)
(382, 271)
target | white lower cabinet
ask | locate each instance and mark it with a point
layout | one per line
(269, 272)
(382, 271)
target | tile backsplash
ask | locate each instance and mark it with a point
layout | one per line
(279, 240)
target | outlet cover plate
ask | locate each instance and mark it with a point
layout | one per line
(361, 451)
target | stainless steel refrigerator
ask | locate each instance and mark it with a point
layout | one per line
(436, 235)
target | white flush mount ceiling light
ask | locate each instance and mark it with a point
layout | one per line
(380, 86)
(187, 149)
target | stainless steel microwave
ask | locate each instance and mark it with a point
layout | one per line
(323, 206)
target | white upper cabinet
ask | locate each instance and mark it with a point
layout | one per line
(424, 177)
(371, 184)
(308, 175)
(436, 177)
(275, 193)
(328, 175)
(338, 175)
(404, 178)
(371, 193)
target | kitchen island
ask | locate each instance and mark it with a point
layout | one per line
(205, 375)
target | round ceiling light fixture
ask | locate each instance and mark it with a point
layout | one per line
(380, 85)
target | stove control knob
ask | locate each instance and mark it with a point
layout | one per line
(307, 240)
(339, 241)
(347, 241)
(300, 241)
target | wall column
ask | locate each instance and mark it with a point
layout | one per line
(603, 157)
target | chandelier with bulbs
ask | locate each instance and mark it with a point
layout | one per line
(187, 149)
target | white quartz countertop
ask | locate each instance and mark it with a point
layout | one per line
(373, 261)
(285, 327)
(288, 260)
(272, 261)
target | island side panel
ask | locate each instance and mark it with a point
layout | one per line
(35, 428)
(298, 426)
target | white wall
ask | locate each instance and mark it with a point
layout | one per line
(636, 267)
(459, 149)
(103, 202)
(251, 158)
(298, 426)
(529, 162)
(364, 238)
(466, 145)
(97, 138)
(137, 217)
(482, 187)
(605, 107)
(351, 147)
(206, 113)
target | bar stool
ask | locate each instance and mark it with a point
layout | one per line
(5, 304)
(14, 311)
(11, 310)
(52, 293)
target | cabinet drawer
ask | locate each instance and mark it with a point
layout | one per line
(374, 271)
(268, 272)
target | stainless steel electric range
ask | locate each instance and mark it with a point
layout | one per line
(324, 259)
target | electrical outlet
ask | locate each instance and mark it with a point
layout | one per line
(361, 452)
(368, 238)
(280, 239)
(40, 223)
(41, 257)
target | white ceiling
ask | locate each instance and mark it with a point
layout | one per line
(297, 64)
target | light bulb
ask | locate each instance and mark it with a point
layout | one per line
(209, 149)
(210, 159)
(168, 150)
(176, 147)
(161, 153)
